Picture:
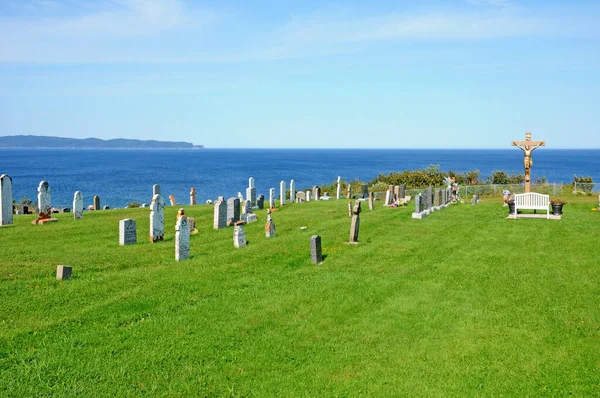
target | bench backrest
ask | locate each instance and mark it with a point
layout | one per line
(532, 200)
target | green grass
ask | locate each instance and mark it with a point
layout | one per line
(461, 303)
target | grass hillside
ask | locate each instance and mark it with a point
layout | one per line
(462, 303)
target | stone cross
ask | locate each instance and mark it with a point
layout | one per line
(182, 237)
(77, 205)
(272, 198)
(269, 226)
(157, 219)
(6, 200)
(155, 190)
(97, 203)
(292, 191)
(233, 211)
(339, 187)
(282, 193)
(193, 196)
(220, 215)
(354, 226)
(127, 232)
(239, 235)
(528, 147)
(316, 257)
(251, 192)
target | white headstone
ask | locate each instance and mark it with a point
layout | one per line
(282, 193)
(220, 214)
(44, 207)
(339, 187)
(6, 201)
(308, 196)
(127, 232)
(182, 237)
(157, 219)
(239, 236)
(292, 191)
(193, 196)
(272, 198)
(251, 192)
(77, 205)
(251, 182)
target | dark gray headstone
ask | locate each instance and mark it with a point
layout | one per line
(97, 203)
(127, 232)
(260, 202)
(233, 211)
(63, 272)
(316, 256)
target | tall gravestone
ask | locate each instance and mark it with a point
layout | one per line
(260, 202)
(430, 197)
(155, 190)
(251, 192)
(307, 196)
(272, 198)
(339, 187)
(269, 226)
(157, 219)
(371, 201)
(419, 208)
(220, 214)
(402, 191)
(77, 205)
(44, 207)
(182, 237)
(316, 256)
(233, 211)
(193, 196)
(6, 200)
(282, 193)
(354, 226)
(127, 232)
(97, 203)
(316, 192)
(365, 191)
(349, 194)
(292, 191)
(239, 235)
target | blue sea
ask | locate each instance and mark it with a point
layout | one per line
(123, 176)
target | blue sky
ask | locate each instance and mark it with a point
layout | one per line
(303, 74)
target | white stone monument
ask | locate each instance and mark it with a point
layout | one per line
(292, 191)
(182, 237)
(157, 219)
(339, 188)
(77, 205)
(308, 196)
(44, 207)
(6, 201)
(251, 192)
(282, 193)
(272, 198)
(127, 232)
(239, 235)
(220, 214)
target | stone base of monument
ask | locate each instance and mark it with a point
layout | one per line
(419, 215)
(45, 220)
(248, 218)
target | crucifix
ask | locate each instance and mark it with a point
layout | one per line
(527, 147)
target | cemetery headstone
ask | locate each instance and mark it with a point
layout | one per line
(269, 226)
(349, 208)
(272, 198)
(106, 207)
(182, 237)
(193, 196)
(44, 207)
(251, 192)
(436, 199)
(77, 205)
(316, 192)
(220, 214)
(127, 232)
(260, 202)
(97, 203)
(365, 191)
(239, 235)
(371, 201)
(339, 187)
(300, 197)
(354, 226)
(233, 211)
(316, 256)
(6, 200)
(282, 193)
(172, 200)
(419, 207)
(63, 272)
(307, 196)
(155, 190)
(292, 191)
(157, 219)
(402, 191)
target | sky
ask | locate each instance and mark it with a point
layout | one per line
(303, 73)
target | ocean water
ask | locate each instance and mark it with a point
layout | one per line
(123, 176)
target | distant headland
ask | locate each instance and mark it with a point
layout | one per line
(35, 141)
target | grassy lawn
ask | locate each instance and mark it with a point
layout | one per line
(461, 303)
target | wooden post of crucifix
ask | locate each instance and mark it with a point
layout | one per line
(527, 147)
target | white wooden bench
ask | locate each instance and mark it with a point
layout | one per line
(532, 201)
